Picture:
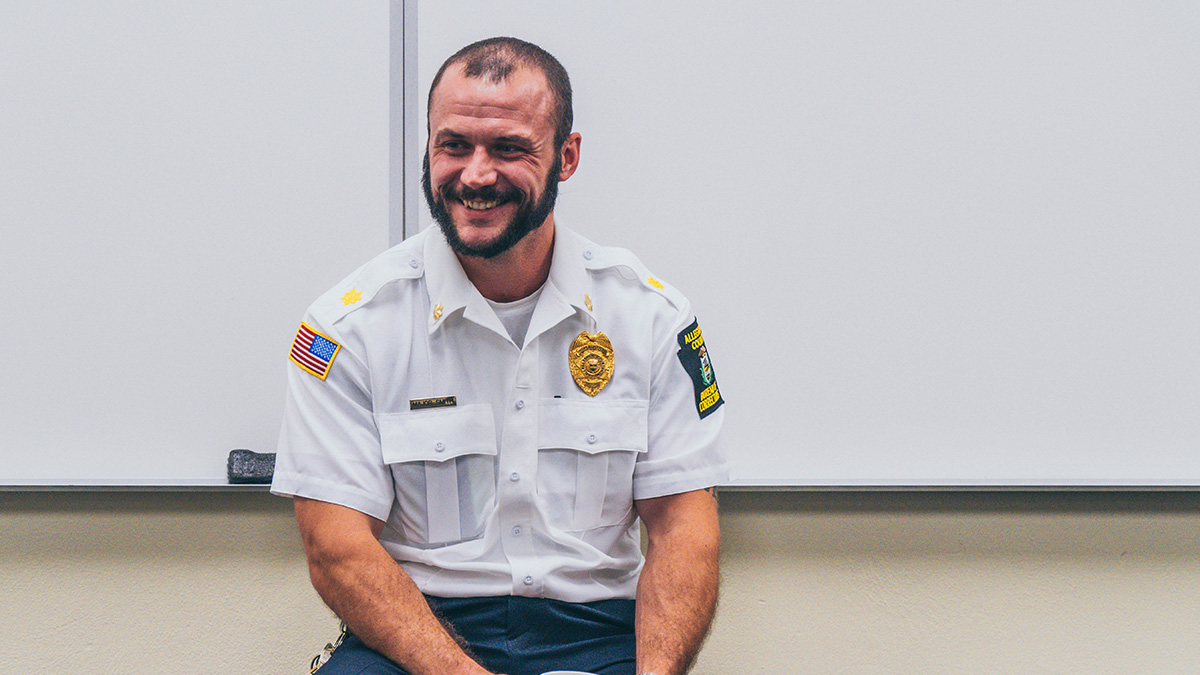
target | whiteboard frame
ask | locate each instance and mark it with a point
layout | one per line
(404, 197)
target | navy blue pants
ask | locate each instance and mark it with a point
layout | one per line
(519, 636)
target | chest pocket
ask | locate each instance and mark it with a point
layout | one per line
(586, 454)
(443, 464)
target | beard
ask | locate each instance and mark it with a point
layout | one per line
(529, 216)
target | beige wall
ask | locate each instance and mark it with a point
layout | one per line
(814, 583)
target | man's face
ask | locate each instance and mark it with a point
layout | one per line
(491, 171)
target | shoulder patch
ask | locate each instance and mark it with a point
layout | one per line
(694, 357)
(313, 351)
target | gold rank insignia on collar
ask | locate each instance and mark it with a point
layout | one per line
(591, 361)
(587, 302)
(437, 311)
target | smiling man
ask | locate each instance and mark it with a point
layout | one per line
(480, 420)
(515, 119)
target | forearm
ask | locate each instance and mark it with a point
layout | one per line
(677, 595)
(384, 608)
(376, 598)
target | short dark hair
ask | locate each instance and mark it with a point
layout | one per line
(496, 58)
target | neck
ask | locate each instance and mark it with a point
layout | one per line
(517, 272)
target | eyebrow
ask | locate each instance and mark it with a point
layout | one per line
(444, 134)
(514, 140)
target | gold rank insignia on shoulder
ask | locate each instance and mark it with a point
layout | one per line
(353, 296)
(591, 362)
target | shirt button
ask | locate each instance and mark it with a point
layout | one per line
(413, 263)
(591, 438)
(528, 581)
(515, 477)
(439, 446)
(517, 531)
(520, 405)
(587, 255)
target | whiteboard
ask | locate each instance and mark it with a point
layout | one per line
(930, 243)
(178, 181)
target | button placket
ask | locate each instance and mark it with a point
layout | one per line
(518, 461)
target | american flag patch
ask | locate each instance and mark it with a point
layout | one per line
(312, 351)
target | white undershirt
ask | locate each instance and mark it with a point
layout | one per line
(516, 315)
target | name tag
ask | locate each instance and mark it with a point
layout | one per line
(424, 403)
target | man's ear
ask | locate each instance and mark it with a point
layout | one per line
(569, 156)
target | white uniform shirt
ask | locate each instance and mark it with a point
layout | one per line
(522, 484)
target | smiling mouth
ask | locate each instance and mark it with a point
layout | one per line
(480, 204)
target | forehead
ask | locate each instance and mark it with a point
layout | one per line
(521, 99)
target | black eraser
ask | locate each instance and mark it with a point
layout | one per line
(247, 466)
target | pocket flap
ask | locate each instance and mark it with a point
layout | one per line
(437, 435)
(592, 426)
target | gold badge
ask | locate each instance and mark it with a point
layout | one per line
(591, 362)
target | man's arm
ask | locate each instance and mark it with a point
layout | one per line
(677, 592)
(377, 599)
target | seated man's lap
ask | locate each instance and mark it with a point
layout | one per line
(520, 636)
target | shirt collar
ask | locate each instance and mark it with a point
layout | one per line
(449, 288)
(567, 290)
(568, 287)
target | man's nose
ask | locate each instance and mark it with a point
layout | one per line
(479, 171)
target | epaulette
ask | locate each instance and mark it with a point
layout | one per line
(630, 268)
(400, 262)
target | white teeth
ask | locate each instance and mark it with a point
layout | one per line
(479, 205)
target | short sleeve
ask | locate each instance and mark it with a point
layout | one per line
(329, 446)
(685, 418)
